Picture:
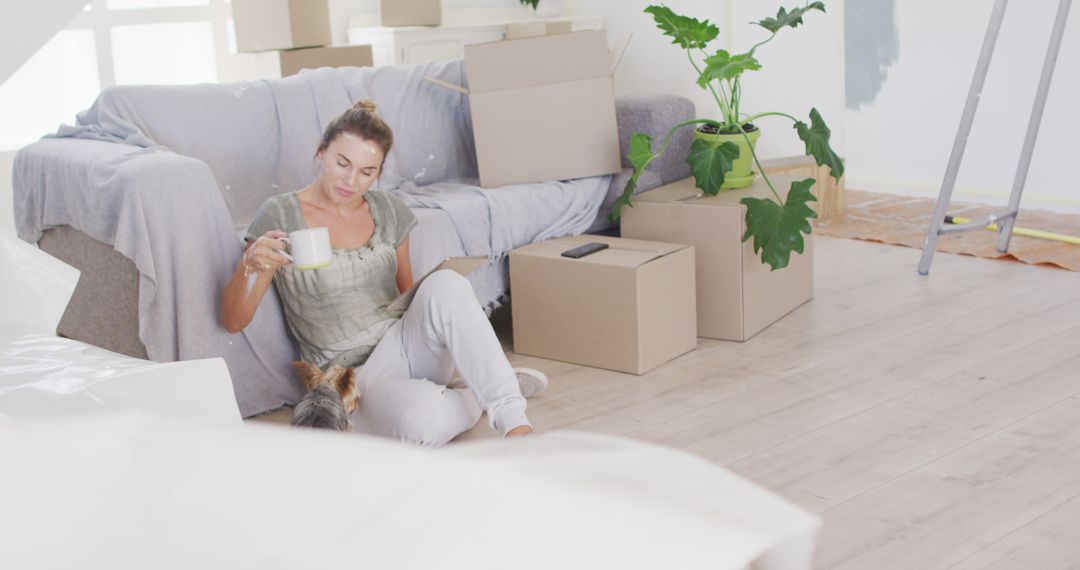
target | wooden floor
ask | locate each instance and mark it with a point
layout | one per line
(930, 422)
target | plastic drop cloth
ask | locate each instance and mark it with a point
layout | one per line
(141, 491)
(42, 374)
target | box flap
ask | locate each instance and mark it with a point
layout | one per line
(686, 192)
(618, 51)
(621, 252)
(541, 60)
(678, 191)
(447, 85)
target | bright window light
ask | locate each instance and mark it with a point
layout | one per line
(60, 80)
(172, 54)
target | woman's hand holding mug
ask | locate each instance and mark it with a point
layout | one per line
(267, 254)
(309, 248)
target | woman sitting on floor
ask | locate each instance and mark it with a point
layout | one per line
(338, 314)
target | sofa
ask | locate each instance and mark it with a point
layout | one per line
(148, 194)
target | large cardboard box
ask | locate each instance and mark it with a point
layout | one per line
(263, 25)
(293, 60)
(628, 308)
(410, 12)
(738, 295)
(543, 108)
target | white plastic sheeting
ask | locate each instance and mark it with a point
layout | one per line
(42, 374)
(142, 491)
(35, 287)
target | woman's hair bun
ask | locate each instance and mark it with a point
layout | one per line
(365, 104)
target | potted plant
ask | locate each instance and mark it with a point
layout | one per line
(722, 154)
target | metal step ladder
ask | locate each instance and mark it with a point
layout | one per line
(1006, 218)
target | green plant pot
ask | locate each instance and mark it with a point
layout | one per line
(742, 172)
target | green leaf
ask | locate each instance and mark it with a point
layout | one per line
(710, 161)
(817, 143)
(640, 156)
(777, 230)
(531, 3)
(725, 66)
(792, 18)
(688, 32)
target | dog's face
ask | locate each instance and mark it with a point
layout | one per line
(321, 408)
(342, 380)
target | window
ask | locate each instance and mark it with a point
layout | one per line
(174, 53)
(117, 42)
(60, 80)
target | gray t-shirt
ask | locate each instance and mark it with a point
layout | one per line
(338, 313)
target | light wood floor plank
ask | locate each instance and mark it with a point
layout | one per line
(956, 506)
(828, 466)
(1046, 542)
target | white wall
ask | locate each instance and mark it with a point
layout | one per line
(801, 68)
(901, 142)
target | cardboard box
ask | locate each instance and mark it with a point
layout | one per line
(293, 60)
(738, 295)
(628, 308)
(263, 25)
(518, 30)
(543, 108)
(410, 12)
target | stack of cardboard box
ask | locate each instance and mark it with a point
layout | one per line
(297, 32)
(637, 304)
(738, 295)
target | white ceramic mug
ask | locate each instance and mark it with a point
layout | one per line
(310, 248)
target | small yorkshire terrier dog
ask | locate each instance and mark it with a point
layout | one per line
(332, 397)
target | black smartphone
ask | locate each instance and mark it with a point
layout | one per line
(584, 249)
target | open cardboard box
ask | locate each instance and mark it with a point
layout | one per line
(630, 307)
(543, 108)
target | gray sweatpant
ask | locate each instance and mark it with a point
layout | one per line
(403, 384)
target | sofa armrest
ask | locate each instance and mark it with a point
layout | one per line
(160, 210)
(654, 115)
(104, 308)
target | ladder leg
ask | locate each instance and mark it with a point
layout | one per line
(1005, 226)
(960, 143)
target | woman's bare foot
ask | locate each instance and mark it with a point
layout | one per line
(520, 431)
